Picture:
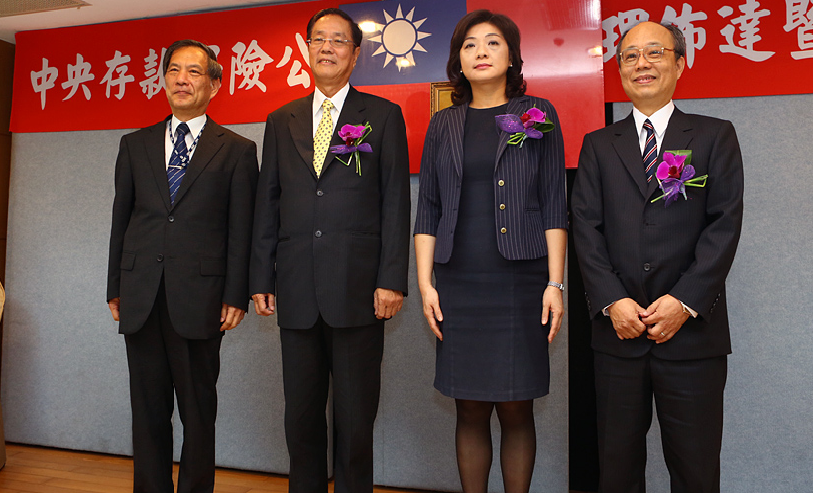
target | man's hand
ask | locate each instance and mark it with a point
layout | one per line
(664, 317)
(431, 310)
(626, 316)
(553, 308)
(114, 305)
(230, 317)
(387, 303)
(264, 304)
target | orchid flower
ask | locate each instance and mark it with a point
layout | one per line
(533, 123)
(352, 135)
(675, 174)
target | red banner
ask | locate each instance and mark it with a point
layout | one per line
(109, 76)
(733, 47)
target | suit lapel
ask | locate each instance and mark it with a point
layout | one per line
(156, 156)
(352, 114)
(516, 106)
(678, 136)
(457, 123)
(629, 150)
(301, 127)
(209, 143)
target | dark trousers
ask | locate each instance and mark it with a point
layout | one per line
(163, 364)
(689, 401)
(352, 355)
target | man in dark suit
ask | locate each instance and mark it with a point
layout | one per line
(178, 271)
(655, 275)
(330, 252)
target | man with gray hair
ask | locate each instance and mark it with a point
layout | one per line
(178, 270)
(657, 214)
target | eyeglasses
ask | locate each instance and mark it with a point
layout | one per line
(336, 43)
(652, 54)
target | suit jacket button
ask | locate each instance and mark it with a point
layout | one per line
(502, 207)
(317, 234)
(171, 219)
(319, 193)
(160, 257)
(500, 183)
(503, 230)
(647, 267)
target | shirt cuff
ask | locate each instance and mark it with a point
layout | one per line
(688, 309)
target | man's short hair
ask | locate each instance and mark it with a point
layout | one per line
(677, 38)
(214, 70)
(355, 30)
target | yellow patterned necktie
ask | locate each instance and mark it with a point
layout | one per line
(321, 142)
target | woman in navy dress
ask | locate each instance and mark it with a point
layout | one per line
(491, 227)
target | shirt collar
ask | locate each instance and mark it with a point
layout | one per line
(195, 125)
(337, 99)
(659, 119)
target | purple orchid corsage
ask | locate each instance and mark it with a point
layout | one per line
(353, 135)
(533, 123)
(676, 173)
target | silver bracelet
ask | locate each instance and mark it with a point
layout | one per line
(557, 285)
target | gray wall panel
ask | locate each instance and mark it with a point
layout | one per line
(63, 375)
(766, 442)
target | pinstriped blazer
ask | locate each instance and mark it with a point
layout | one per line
(529, 182)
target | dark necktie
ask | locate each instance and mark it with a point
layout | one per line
(650, 151)
(178, 161)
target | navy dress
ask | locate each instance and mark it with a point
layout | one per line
(494, 346)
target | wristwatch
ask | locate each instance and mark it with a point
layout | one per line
(557, 285)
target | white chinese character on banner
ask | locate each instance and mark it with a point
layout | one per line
(799, 16)
(117, 65)
(153, 71)
(249, 63)
(695, 36)
(616, 25)
(77, 76)
(297, 75)
(748, 24)
(43, 80)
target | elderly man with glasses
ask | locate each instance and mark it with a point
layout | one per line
(657, 214)
(330, 254)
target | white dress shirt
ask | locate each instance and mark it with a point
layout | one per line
(659, 120)
(195, 127)
(338, 104)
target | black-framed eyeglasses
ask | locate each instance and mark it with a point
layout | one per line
(651, 53)
(336, 43)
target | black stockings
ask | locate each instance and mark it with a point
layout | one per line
(517, 444)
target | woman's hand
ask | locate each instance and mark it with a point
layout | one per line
(431, 310)
(552, 307)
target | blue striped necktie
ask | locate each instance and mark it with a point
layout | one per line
(650, 151)
(178, 161)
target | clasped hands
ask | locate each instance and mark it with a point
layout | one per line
(661, 320)
(386, 302)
